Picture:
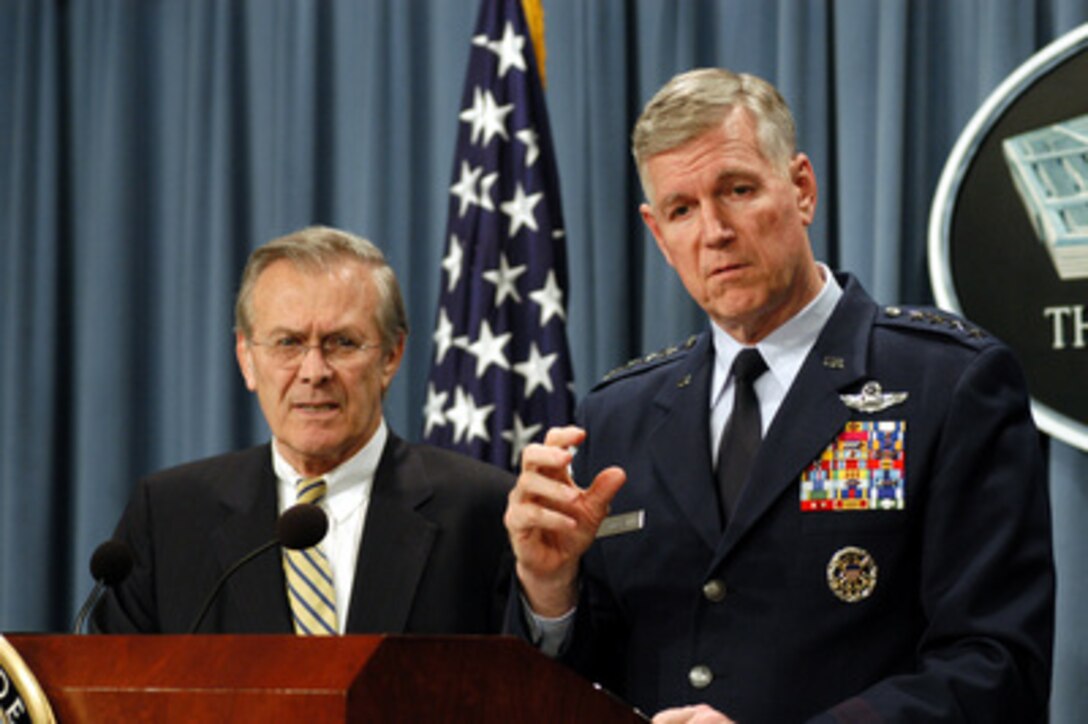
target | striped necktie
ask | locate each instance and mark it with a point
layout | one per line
(309, 577)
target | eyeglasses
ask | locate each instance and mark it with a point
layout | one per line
(288, 351)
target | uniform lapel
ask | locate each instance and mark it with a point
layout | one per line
(812, 413)
(681, 440)
(255, 597)
(396, 543)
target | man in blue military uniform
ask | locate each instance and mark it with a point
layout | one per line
(886, 553)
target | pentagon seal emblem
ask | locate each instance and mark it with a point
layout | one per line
(1008, 231)
(851, 574)
(22, 698)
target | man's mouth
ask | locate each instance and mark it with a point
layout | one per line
(727, 269)
(316, 406)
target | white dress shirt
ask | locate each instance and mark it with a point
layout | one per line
(347, 497)
(784, 350)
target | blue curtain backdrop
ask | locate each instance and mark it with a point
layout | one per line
(147, 145)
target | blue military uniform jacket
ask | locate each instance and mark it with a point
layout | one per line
(918, 587)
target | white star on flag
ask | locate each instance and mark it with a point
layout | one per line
(443, 335)
(486, 116)
(432, 409)
(508, 49)
(465, 188)
(536, 370)
(467, 417)
(484, 197)
(505, 279)
(520, 210)
(458, 415)
(477, 423)
(452, 262)
(488, 349)
(532, 151)
(550, 299)
(519, 436)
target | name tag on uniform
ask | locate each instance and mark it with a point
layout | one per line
(622, 523)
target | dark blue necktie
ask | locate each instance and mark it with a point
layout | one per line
(743, 432)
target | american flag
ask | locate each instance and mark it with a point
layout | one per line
(501, 373)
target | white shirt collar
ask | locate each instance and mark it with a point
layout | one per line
(784, 350)
(347, 484)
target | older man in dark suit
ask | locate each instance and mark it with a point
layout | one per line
(415, 541)
(820, 509)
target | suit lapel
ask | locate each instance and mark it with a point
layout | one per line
(812, 413)
(681, 440)
(255, 598)
(396, 543)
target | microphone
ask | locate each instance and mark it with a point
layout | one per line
(110, 564)
(301, 526)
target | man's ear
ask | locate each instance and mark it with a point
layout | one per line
(650, 220)
(391, 363)
(244, 354)
(803, 178)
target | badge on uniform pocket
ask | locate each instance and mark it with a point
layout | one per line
(851, 574)
(862, 469)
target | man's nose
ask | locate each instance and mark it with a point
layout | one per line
(716, 222)
(314, 365)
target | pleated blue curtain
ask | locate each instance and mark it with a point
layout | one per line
(148, 145)
(32, 280)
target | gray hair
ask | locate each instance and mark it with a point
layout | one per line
(318, 248)
(693, 102)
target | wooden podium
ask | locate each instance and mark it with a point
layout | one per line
(251, 678)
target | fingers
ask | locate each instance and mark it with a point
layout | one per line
(545, 468)
(540, 504)
(546, 485)
(551, 521)
(569, 436)
(545, 482)
(552, 457)
(604, 488)
(545, 477)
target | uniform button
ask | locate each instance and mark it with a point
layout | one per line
(700, 676)
(714, 590)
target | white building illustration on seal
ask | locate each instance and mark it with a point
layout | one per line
(1049, 167)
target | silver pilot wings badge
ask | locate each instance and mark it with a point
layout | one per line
(873, 398)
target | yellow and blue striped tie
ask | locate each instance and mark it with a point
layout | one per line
(309, 577)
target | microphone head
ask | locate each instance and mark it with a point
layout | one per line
(301, 526)
(111, 562)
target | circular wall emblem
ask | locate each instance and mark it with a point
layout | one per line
(1008, 231)
(851, 574)
(21, 697)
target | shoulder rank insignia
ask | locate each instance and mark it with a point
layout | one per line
(650, 360)
(873, 398)
(863, 469)
(934, 318)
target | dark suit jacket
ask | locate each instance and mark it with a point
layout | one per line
(958, 625)
(434, 556)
